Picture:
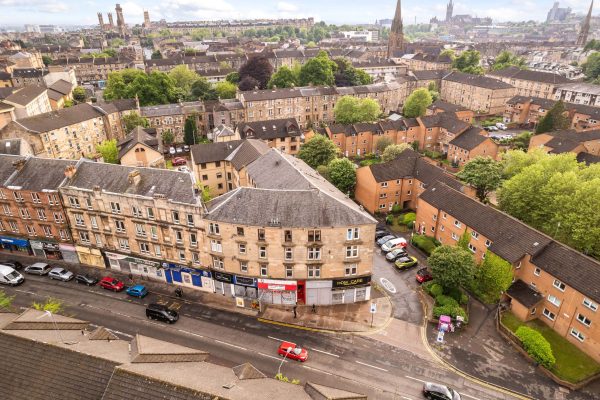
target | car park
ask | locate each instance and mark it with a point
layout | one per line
(394, 244)
(395, 254)
(60, 274)
(86, 280)
(186, 148)
(10, 276)
(384, 239)
(436, 391)
(179, 150)
(380, 233)
(12, 263)
(406, 262)
(137, 291)
(184, 169)
(178, 161)
(110, 283)
(161, 312)
(423, 275)
(293, 351)
(39, 268)
(172, 150)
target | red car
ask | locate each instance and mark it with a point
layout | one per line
(179, 161)
(293, 351)
(110, 283)
(423, 275)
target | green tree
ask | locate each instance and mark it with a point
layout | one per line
(493, 277)
(206, 196)
(433, 91)
(225, 90)
(108, 150)
(514, 161)
(484, 174)
(5, 301)
(233, 77)
(168, 137)
(156, 55)
(55, 306)
(521, 141)
(393, 151)
(464, 240)
(79, 94)
(318, 71)
(283, 78)
(536, 345)
(591, 68)
(468, 62)
(451, 267)
(154, 88)
(47, 60)
(506, 59)
(555, 119)
(382, 143)
(183, 78)
(323, 170)
(350, 110)
(258, 68)
(318, 150)
(416, 104)
(200, 34)
(201, 89)
(342, 174)
(448, 53)
(346, 75)
(190, 130)
(133, 119)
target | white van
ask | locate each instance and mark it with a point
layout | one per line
(500, 126)
(9, 276)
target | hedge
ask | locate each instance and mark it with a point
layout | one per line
(536, 345)
(443, 300)
(435, 290)
(425, 243)
(451, 310)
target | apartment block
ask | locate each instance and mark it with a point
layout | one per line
(478, 93)
(587, 94)
(530, 83)
(29, 101)
(283, 134)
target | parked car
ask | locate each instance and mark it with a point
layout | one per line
(380, 233)
(172, 150)
(394, 244)
(137, 291)
(162, 313)
(293, 351)
(406, 262)
(493, 128)
(395, 254)
(86, 280)
(39, 268)
(423, 275)
(384, 239)
(487, 128)
(179, 161)
(9, 276)
(12, 263)
(184, 169)
(500, 126)
(110, 283)
(439, 392)
(61, 274)
(186, 148)
(179, 150)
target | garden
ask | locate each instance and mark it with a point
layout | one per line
(400, 222)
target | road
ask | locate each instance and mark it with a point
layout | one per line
(355, 363)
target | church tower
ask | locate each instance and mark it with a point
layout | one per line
(449, 11)
(396, 39)
(585, 28)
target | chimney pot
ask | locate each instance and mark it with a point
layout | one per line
(134, 177)
(70, 171)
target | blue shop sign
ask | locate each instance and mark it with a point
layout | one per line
(244, 281)
(14, 241)
(185, 268)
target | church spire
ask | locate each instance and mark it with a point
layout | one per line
(396, 39)
(585, 27)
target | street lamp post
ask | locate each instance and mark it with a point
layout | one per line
(282, 361)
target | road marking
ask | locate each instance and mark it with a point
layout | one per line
(273, 357)
(372, 366)
(466, 395)
(190, 333)
(229, 344)
(113, 331)
(187, 315)
(24, 291)
(317, 370)
(415, 379)
(325, 352)
(389, 286)
(274, 338)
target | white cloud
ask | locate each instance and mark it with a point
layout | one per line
(51, 6)
(286, 7)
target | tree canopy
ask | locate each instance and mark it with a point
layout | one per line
(342, 174)
(79, 94)
(468, 62)
(258, 68)
(591, 68)
(133, 119)
(248, 83)
(108, 150)
(319, 150)
(493, 277)
(382, 143)
(451, 266)
(318, 71)
(156, 55)
(151, 89)
(484, 174)
(183, 78)
(350, 110)
(202, 89)
(225, 90)
(190, 130)
(392, 152)
(555, 119)
(416, 104)
(346, 75)
(283, 78)
(168, 137)
(507, 59)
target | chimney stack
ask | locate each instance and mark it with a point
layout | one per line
(19, 164)
(134, 177)
(70, 171)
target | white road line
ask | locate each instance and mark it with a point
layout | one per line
(273, 357)
(406, 398)
(324, 352)
(229, 344)
(24, 291)
(187, 315)
(372, 366)
(190, 333)
(415, 379)
(317, 370)
(274, 338)
(120, 333)
(466, 395)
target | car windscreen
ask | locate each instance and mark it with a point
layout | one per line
(12, 275)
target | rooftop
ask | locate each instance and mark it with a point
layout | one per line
(271, 129)
(469, 139)
(476, 80)
(59, 119)
(26, 95)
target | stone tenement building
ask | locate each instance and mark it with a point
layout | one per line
(90, 70)
(236, 27)
(587, 94)
(529, 110)
(553, 282)
(530, 83)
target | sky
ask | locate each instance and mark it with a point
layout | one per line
(83, 12)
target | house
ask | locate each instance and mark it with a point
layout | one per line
(587, 94)
(462, 113)
(530, 83)
(470, 144)
(223, 133)
(284, 134)
(478, 93)
(29, 101)
(60, 92)
(586, 145)
(141, 148)
(114, 112)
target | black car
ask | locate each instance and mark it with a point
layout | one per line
(380, 233)
(12, 263)
(162, 313)
(86, 280)
(435, 391)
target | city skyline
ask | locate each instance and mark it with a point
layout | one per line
(62, 12)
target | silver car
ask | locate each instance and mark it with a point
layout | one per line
(61, 274)
(39, 268)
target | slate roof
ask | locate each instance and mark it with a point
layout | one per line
(529, 75)
(469, 139)
(146, 136)
(561, 145)
(6, 91)
(28, 73)
(40, 173)
(588, 158)
(446, 107)
(174, 185)
(428, 75)
(271, 129)
(524, 293)
(10, 146)
(283, 93)
(511, 239)
(6, 166)
(592, 112)
(581, 87)
(248, 151)
(62, 86)
(211, 152)
(60, 118)
(447, 121)
(476, 80)
(117, 105)
(544, 103)
(26, 95)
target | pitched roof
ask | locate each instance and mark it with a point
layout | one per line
(117, 105)
(445, 120)
(476, 80)
(446, 107)
(587, 158)
(211, 152)
(62, 86)
(529, 75)
(38, 174)
(146, 136)
(60, 118)
(26, 95)
(10, 146)
(427, 75)
(248, 151)
(469, 139)
(271, 129)
(524, 293)
(6, 166)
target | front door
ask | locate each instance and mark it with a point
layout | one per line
(301, 292)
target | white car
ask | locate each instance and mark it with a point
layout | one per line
(184, 169)
(172, 150)
(393, 244)
(61, 274)
(500, 126)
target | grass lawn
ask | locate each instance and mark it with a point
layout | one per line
(572, 364)
(169, 164)
(396, 227)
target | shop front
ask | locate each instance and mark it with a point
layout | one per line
(135, 266)
(350, 290)
(224, 283)
(271, 291)
(245, 287)
(47, 250)
(90, 256)
(318, 292)
(15, 244)
(69, 253)
(185, 276)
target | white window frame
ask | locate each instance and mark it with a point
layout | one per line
(351, 251)
(554, 300)
(577, 335)
(549, 314)
(115, 207)
(313, 253)
(264, 270)
(352, 234)
(262, 252)
(590, 304)
(215, 245)
(559, 285)
(584, 320)
(351, 269)
(313, 271)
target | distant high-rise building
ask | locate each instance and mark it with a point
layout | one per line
(120, 20)
(110, 20)
(557, 14)
(32, 28)
(101, 21)
(396, 38)
(449, 11)
(146, 19)
(585, 28)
